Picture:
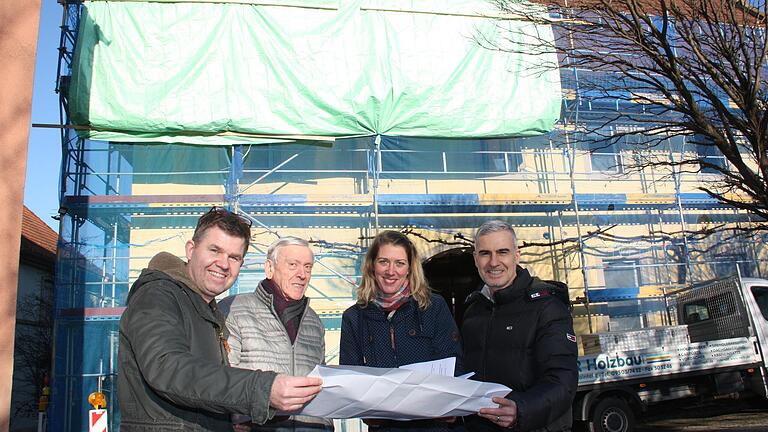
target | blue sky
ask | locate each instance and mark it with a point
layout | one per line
(41, 190)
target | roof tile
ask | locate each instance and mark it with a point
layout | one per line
(38, 232)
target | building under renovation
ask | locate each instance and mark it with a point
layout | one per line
(177, 107)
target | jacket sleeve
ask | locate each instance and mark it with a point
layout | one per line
(155, 327)
(555, 357)
(446, 341)
(349, 346)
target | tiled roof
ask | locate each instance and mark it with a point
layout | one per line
(37, 238)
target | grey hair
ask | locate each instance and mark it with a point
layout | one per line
(493, 226)
(280, 243)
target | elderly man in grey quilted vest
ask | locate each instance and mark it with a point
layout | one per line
(273, 328)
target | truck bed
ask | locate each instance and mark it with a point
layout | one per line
(622, 365)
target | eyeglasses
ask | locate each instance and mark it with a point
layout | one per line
(217, 213)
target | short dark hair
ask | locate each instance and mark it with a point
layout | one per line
(227, 221)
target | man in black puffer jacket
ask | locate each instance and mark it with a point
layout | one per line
(518, 333)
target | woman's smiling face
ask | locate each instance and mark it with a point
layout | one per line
(390, 269)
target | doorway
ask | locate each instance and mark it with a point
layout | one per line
(453, 275)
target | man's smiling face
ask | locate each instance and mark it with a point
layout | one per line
(291, 270)
(213, 262)
(496, 257)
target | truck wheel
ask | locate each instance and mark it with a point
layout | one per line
(612, 415)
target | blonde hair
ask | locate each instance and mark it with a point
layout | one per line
(416, 281)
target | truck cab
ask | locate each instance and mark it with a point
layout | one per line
(755, 293)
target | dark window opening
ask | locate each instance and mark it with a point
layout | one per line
(718, 306)
(761, 297)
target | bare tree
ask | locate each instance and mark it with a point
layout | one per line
(677, 68)
(32, 350)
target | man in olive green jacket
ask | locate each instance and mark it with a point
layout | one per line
(173, 373)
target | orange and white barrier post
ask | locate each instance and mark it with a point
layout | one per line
(98, 420)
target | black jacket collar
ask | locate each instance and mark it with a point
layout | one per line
(516, 290)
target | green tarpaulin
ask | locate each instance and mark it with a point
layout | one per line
(223, 73)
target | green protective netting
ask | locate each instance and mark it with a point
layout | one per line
(190, 72)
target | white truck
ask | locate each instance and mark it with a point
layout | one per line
(717, 351)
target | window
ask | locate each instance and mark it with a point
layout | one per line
(726, 265)
(411, 161)
(606, 160)
(477, 162)
(718, 306)
(621, 274)
(408, 155)
(761, 297)
(605, 156)
(165, 163)
(490, 156)
(709, 156)
(695, 312)
(344, 156)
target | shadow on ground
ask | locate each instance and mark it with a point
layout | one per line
(726, 415)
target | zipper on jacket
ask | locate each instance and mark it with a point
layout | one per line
(223, 346)
(392, 342)
(390, 316)
(485, 342)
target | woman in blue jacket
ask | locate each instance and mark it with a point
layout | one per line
(398, 320)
